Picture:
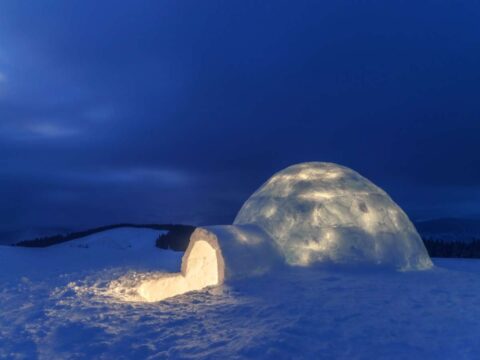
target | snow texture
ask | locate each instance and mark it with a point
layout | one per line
(68, 302)
(323, 212)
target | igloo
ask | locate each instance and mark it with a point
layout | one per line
(308, 213)
(324, 212)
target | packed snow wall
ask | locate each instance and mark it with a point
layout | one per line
(216, 253)
(324, 212)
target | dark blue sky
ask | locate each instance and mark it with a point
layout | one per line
(175, 111)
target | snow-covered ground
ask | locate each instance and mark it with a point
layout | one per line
(77, 301)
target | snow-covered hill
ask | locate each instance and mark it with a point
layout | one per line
(76, 301)
(117, 239)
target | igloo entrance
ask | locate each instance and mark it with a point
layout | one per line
(202, 266)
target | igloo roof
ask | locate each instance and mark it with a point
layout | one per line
(324, 212)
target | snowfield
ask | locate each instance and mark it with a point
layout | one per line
(77, 301)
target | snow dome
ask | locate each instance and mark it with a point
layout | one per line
(324, 212)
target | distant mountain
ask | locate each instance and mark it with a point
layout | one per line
(449, 229)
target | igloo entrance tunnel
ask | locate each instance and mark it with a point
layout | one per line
(216, 253)
(307, 213)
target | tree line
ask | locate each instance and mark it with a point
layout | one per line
(453, 249)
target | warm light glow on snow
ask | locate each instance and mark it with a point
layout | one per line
(213, 253)
(317, 195)
(199, 270)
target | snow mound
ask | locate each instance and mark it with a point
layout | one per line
(214, 254)
(324, 212)
(117, 239)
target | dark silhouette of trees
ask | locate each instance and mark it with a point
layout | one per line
(453, 249)
(176, 239)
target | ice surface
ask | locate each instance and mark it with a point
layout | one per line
(323, 212)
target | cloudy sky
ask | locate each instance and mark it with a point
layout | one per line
(175, 111)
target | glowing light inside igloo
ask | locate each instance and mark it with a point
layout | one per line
(202, 266)
(324, 212)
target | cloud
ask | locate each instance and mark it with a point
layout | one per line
(158, 176)
(122, 105)
(50, 130)
(35, 130)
